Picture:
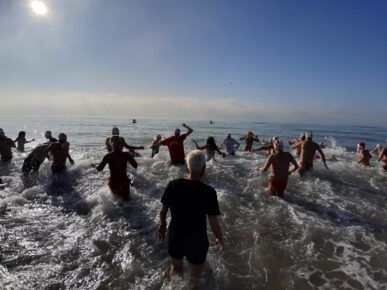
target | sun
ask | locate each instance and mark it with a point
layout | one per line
(39, 7)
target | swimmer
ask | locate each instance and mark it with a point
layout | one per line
(363, 154)
(21, 141)
(230, 144)
(59, 151)
(5, 147)
(175, 145)
(49, 137)
(249, 140)
(279, 163)
(210, 147)
(35, 159)
(115, 132)
(269, 147)
(308, 151)
(119, 182)
(296, 144)
(156, 145)
(190, 202)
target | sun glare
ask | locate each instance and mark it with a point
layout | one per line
(39, 7)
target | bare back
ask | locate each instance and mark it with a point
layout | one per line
(308, 150)
(279, 168)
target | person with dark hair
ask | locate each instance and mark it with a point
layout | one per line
(59, 151)
(21, 141)
(190, 202)
(383, 157)
(364, 156)
(5, 147)
(119, 182)
(210, 147)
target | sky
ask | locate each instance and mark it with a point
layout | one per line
(312, 61)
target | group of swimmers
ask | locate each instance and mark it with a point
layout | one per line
(188, 199)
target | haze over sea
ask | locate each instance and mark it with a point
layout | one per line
(329, 232)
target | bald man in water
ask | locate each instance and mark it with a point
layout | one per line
(308, 152)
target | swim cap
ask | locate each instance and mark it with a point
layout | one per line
(2, 132)
(115, 131)
(309, 135)
(278, 144)
(62, 137)
(275, 138)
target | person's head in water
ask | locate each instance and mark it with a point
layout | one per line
(115, 142)
(22, 134)
(309, 135)
(115, 131)
(177, 132)
(48, 134)
(278, 145)
(2, 134)
(196, 164)
(62, 137)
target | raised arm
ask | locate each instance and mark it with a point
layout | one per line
(188, 128)
(217, 231)
(160, 232)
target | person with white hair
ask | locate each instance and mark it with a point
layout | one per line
(308, 153)
(116, 132)
(230, 144)
(190, 201)
(6, 145)
(175, 145)
(59, 152)
(279, 163)
(269, 147)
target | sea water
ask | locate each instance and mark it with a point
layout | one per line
(330, 230)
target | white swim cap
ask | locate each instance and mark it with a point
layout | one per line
(278, 144)
(196, 160)
(2, 132)
(115, 131)
(275, 138)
